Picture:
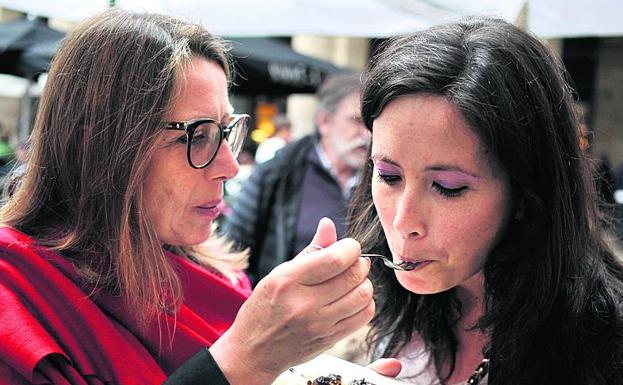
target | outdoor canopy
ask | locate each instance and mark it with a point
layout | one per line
(262, 65)
(361, 18)
(364, 18)
(270, 67)
(27, 46)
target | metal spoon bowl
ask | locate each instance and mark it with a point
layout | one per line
(402, 266)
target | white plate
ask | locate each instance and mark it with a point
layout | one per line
(324, 365)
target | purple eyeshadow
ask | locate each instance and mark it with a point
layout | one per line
(453, 179)
(385, 168)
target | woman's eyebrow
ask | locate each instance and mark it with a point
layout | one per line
(383, 158)
(451, 168)
(432, 168)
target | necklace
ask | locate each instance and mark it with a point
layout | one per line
(481, 370)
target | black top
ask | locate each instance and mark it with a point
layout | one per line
(267, 214)
(201, 369)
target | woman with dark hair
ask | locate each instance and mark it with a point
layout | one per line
(477, 182)
(108, 272)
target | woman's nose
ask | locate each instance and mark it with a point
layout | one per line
(225, 165)
(410, 218)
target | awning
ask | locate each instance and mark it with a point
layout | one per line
(361, 18)
(271, 67)
(27, 46)
(575, 18)
(262, 65)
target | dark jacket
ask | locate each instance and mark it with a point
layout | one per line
(264, 217)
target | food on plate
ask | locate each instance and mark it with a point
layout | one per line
(360, 382)
(336, 379)
(331, 379)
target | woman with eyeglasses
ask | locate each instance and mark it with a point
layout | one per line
(108, 273)
(477, 182)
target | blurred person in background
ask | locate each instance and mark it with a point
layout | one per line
(109, 271)
(246, 160)
(604, 178)
(15, 170)
(7, 154)
(618, 183)
(21, 152)
(283, 131)
(618, 198)
(311, 178)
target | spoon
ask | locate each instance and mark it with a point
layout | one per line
(402, 266)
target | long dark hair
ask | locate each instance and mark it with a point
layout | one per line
(553, 289)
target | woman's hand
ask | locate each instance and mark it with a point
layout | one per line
(299, 310)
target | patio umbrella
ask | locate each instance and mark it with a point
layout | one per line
(246, 18)
(271, 67)
(27, 47)
(263, 65)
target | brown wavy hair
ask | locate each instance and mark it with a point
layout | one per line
(101, 111)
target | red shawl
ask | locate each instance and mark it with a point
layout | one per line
(54, 331)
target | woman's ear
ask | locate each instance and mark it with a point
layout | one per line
(322, 119)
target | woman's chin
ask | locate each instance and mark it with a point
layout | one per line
(189, 240)
(420, 286)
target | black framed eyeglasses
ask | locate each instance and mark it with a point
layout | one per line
(205, 135)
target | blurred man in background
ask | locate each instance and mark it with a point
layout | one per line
(277, 210)
(267, 149)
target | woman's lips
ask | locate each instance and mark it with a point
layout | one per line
(210, 209)
(419, 263)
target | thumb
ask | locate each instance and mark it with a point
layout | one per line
(326, 235)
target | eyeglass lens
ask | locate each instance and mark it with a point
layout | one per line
(204, 143)
(237, 135)
(206, 140)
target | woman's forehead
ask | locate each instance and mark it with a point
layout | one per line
(427, 130)
(201, 91)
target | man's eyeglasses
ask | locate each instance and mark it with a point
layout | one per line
(204, 137)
